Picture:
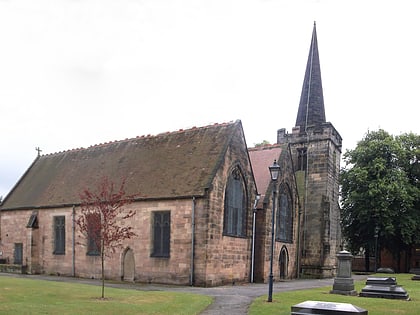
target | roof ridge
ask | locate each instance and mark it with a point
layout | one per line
(266, 146)
(195, 127)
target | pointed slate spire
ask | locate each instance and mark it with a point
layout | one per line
(311, 107)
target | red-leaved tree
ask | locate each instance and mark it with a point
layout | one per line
(101, 220)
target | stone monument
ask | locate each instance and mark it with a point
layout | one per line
(416, 272)
(344, 283)
(324, 308)
(386, 288)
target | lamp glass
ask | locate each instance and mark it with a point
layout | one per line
(274, 170)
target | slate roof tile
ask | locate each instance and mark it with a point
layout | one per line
(168, 165)
(261, 158)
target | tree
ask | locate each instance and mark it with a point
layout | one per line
(410, 163)
(379, 193)
(101, 220)
(261, 144)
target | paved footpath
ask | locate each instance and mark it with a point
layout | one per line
(232, 300)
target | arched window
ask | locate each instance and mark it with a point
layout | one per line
(234, 223)
(302, 159)
(284, 216)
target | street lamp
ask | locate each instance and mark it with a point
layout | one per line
(254, 221)
(376, 247)
(274, 172)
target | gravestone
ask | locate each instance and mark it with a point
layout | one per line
(386, 281)
(386, 288)
(326, 308)
(385, 270)
(416, 272)
(344, 283)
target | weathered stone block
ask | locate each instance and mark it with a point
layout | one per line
(386, 288)
(344, 286)
(326, 308)
(387, 281)
(386, 292)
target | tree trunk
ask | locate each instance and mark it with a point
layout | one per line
(367, 260)
(407, 259)
(102, 269)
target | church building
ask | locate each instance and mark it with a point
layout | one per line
(204, 205)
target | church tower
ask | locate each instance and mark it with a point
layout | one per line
(316, 149)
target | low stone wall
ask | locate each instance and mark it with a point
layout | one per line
(9, 268)
(358, 264)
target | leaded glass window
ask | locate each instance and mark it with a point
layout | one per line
(94, 234)
(284, 216)
(59, 235)
(161, 234)
(235, 206)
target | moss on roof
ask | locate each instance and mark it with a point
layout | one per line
(169, 165)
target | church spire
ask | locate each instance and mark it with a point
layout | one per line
(311, 107)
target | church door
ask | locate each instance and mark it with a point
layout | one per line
(283, 262)
(128, 265)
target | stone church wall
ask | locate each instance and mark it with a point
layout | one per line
(224, 259)
(218, 259)
(318, 190)
(13, 231)
(175, 269)
(290, 248)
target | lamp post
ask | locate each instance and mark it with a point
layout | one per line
(376, 247)
(254, 218)
(274, 172)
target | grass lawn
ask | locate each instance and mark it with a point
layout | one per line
(282, 302)
(28, 296)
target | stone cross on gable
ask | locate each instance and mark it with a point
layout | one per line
(39, 150)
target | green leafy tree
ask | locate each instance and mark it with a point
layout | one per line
(101, 219)
(409, 162)
(261, 144)
(379, 193)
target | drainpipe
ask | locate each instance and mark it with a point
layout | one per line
(298, 243)
(254, 210)
(73, 249)
(192, 242)
(305, 203)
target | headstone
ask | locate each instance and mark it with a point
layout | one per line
(326, 308)
(344, 283)
(386, 281)
(386, 288)
(385, 270)
(416, 272)
(386, 292)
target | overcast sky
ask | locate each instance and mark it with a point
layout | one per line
(74, 73)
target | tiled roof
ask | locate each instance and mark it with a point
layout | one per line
(261, 158)
(169, 165)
